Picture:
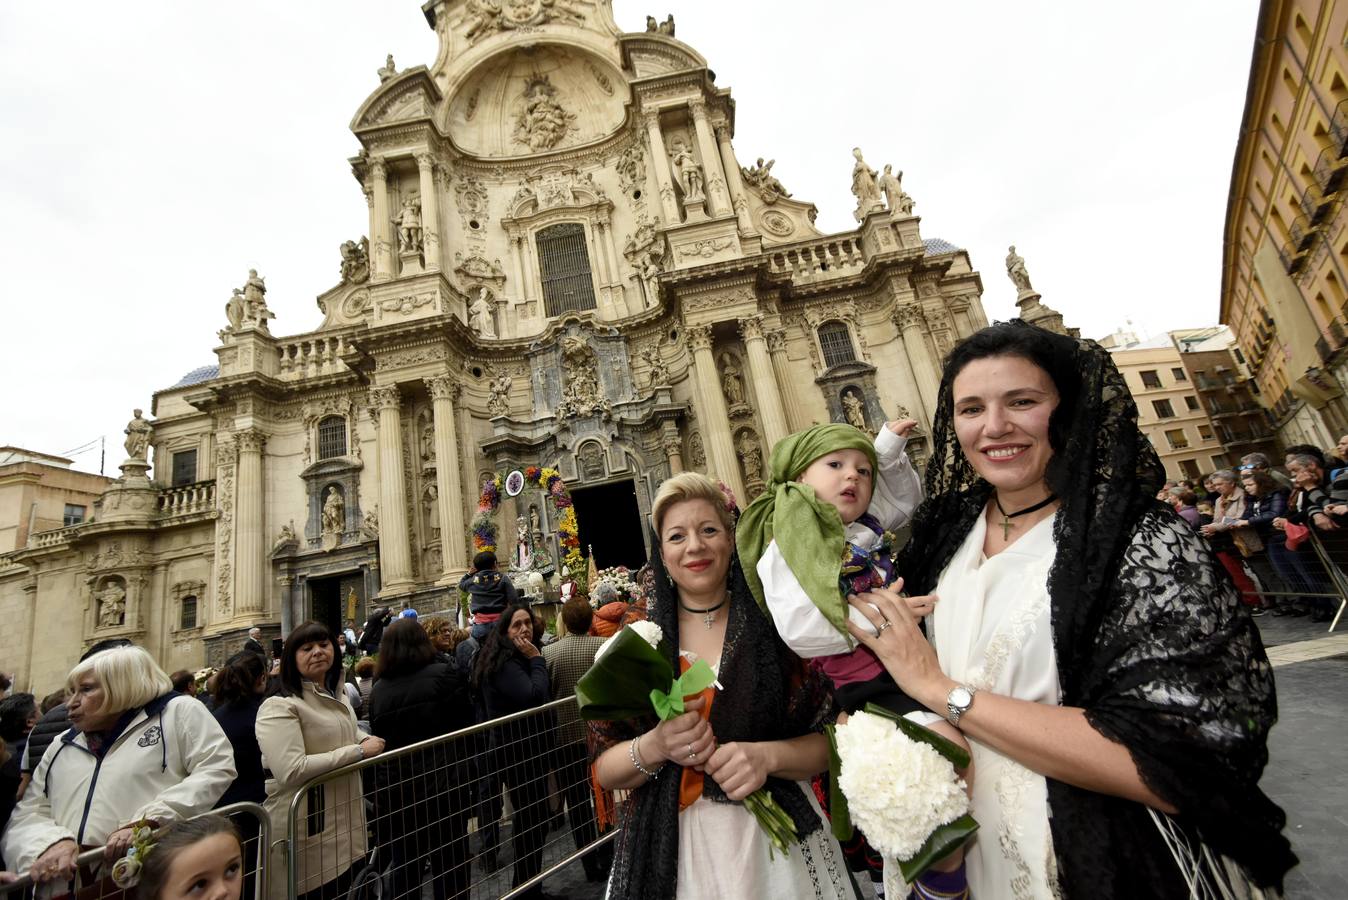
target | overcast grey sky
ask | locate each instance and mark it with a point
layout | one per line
(154, 151)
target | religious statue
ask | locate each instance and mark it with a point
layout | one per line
(687, 171)
(111, 605)
(369, 527)
(732, 381)
(760, 176)
(356, 261)
(751, 457)
(334, 512)
(138, 433)
(431, 501)
(427, 440)
(535, 526)
(864, 186)
(542, 122)
(388, 70)
(665, 27)
(1016, 271)
(286, 538)
(895, 198)
(498, 402)
(523, 546)
(631, 168)
(255, 313)
(479, 314)
(854, 410)
(658, 372)
(581, 395)
(408, 221)
(234, 310)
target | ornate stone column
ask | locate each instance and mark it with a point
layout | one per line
(660, 162)
(908, 316)
(453, 536)
(776, 341)
(672, 444)
(430, 212)
(766, 388)
(249, 540)
(738, 197)
(395, 556)
(712, 411)
(711, 159)
(382, 256)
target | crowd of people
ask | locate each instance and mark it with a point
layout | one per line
(1258, 521)
(1092, 648)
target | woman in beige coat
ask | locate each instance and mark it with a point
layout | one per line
(307, 730)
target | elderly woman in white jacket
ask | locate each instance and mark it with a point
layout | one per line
(137, 752)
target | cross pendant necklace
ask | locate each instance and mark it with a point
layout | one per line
(708, 614)
(1006, 524)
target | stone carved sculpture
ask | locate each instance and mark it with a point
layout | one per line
(895, 198)
(751, 457)
(687, 171)
(408, 221)
(247, 307)
(760, 177)
(732, 380)
(1016, 271)
(138, 433)
(645, 252)
(631, 168)
(427, 439)
(542, 122)
(388, 70)
(524, 556)
(111, 605)
(854, 410)
(480, 314)
(658, 373)
(431, 503)
(498, 399)
(581, 395)
(286, 537)
(864, 186)
(665, 27)
(696, 454)
(369, 526)
(486, 17)
(234, 311)
(356, 261)
(334, 512)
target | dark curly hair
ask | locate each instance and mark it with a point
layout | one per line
(497, 647)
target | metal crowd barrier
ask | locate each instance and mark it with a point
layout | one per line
(487, 811)
(1316, 572)
(92, 881)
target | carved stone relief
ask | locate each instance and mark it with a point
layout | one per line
(581, 393)
(483, 18)
(541, 122)
(632, 168)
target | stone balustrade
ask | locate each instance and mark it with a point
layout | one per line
(311, 356)
(186, 499)
(39, 539)
(10, 567)
(819, 260)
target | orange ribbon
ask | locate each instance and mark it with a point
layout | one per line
(690, 783)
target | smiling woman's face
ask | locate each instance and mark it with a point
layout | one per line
(1002, 408)
(696, 547)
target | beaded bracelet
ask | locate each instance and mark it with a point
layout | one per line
(636, 760)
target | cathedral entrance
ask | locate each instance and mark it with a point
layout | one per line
(329, 596)
(609, 521)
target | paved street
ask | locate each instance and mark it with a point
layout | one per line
(1305, 775)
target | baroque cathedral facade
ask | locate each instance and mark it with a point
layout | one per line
(566, 265)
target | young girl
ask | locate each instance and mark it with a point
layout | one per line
(197, 859)
(817, 534)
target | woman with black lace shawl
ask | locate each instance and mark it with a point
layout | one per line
(684, 831)
(1116, 694)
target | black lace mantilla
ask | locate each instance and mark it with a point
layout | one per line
(769, 694)
(1151, 641)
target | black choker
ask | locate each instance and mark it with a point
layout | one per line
(708, 614)
(1006, 523)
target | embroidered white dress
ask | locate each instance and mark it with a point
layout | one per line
(992, 629)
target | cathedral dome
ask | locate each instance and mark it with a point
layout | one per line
(554, 97)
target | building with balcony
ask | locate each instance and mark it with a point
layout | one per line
(40, 492)
(566, 266)
(1228, 392)
(1285, 255)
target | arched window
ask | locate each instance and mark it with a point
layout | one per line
(836, 343)
(564, 265)
(331, 437)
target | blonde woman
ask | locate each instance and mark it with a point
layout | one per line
(138, 752)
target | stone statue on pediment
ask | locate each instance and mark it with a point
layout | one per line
(865, 187)
(1016, 271)
(408, 221)
(480, 314)
(334, 512)
(895, 197)
(112, 606)
(255, 312)
(498, 399)
(760, 176)
(369, 526)
(687, 171)
(732, 380)
(138, 433)
(356, 261)
(286, 537)
(234, 310)
(854, 410)
(388, 70)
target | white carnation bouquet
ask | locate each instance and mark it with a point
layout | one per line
(619, 580)
(896, 781)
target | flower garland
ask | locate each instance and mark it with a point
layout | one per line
(548, 479)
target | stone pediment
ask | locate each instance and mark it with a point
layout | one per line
(405, 97)
(551, 187)
(784, 220)
(650, 54)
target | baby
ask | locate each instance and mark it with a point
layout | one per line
(817, 534)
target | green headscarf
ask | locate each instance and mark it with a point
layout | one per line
(809, 532)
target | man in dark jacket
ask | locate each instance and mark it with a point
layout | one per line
(374, 630)
(489, 593)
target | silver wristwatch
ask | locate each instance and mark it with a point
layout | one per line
(958, 701)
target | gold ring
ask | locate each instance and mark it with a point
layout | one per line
(883, 625)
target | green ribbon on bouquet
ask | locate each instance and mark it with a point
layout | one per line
(697, 679)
